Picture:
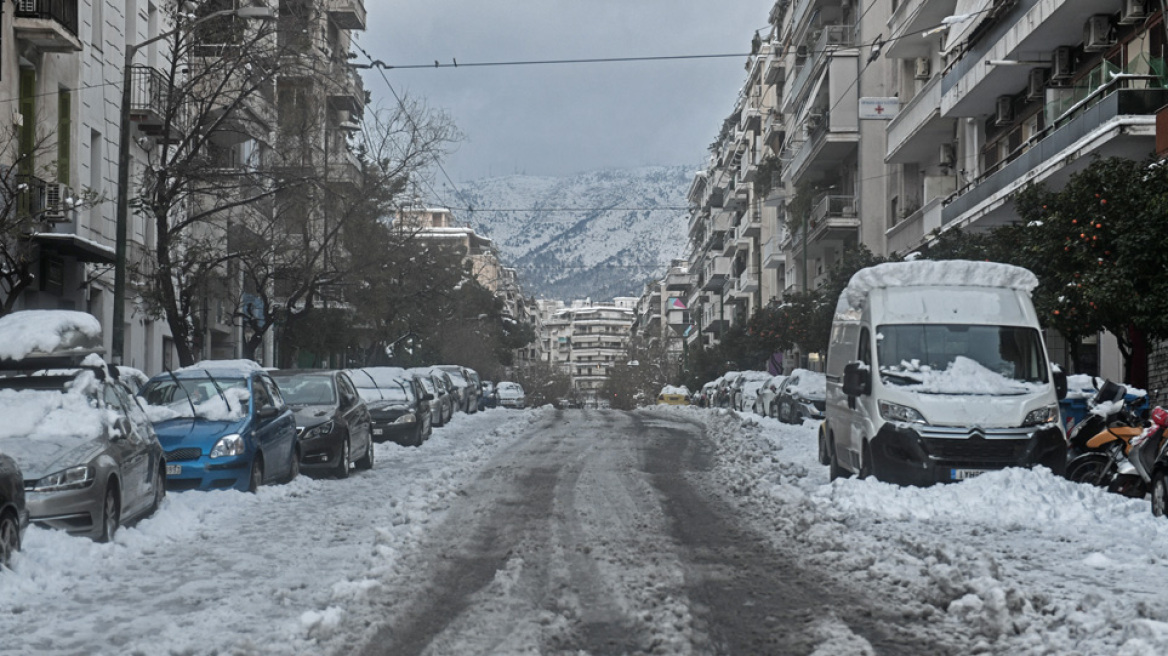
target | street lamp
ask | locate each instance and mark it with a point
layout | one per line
(119, 333)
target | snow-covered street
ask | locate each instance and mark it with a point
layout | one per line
(669, 530)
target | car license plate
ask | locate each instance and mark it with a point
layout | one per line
(173, 470)
(377, 431)
(963, 474)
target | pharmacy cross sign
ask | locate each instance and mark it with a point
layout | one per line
(879, 108)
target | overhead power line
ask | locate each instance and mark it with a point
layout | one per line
(454, 63)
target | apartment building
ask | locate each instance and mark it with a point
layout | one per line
(584, 339)
(661, 316)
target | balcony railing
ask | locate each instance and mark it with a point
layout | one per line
(150, 105)
(923, 107)
(53, 24)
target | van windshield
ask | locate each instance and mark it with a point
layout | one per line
(961, 359)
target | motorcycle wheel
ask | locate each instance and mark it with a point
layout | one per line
(1160, 493)
(1093, 468)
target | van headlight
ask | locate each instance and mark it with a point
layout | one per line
(901, 413)
(228, 445)
(73, 478)
(1044, 415)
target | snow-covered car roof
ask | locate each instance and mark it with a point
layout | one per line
(240, 366)
(29, 334)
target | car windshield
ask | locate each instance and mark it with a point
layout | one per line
(961, 359)
(510, 391)
(392, 391)
(198, 397)
(307, 389)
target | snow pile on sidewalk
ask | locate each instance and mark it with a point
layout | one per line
(1017, 561)
(227, 572)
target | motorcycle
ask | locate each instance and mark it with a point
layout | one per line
(1100, 446)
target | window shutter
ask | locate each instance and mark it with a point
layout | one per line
(64, 135)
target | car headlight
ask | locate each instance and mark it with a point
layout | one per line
(407, 418)
(1045, 415)
(228, 445)
(902, 413)
(73, 478)
(318, 431)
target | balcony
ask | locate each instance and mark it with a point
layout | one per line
(50, 25)
(717, 272)
(150, 107)
(347, 91)
(751, 225)
(1030, 30)
(917, 132)
(347, 14)
(344, 168)
(825, 148)
(773, 131)
(772, 253)
(829, 38)
(1114, 122)
(678, 282)
(910, 233)
(774, 70)
(747, 282)
(912, 18)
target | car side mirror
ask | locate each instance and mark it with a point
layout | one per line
(1060, 384)
(268, 411)
(857, 379)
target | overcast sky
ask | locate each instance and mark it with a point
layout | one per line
(562, 119)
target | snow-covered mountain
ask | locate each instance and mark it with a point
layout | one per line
(600, 234)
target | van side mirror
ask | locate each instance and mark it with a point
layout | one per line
(1060, 384)
(857, 379)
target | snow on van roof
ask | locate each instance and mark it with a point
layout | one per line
(30, 332)
(932, 273)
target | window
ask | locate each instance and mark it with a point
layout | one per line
(97, 24)
(64, 134)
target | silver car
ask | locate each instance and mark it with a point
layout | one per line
(90, 459)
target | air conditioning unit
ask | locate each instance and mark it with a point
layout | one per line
(922, 68)
(1005, 111)
(1133, 12)
(1098, 33)
(813, 121)
(946, 159)
(1062, 63)
(58, 201)
(802, 52)
(1036, 87)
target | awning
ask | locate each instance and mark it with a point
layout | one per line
(69, 245)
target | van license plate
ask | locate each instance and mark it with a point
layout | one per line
(173, 470)
(963, 474)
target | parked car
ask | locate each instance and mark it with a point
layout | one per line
(510, 395)
(705, 396)
(87, 452)
(457, 376)
(442, 407)
(13, 511)
(722, 389)
(224, 425)
(802, 396)
(738, 385)
(332, 422)
(398, 404)
(764, 402)
(671, 395)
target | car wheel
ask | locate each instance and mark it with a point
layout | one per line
(834, 469)
(342, 468)
(1160, 493)
(419, 436)
(867, 468)
(824, 457)
(159, 486)
(294, 467)
(110, 514)
(9, 537)
(257, 474)
(784, 413)
(366, 461)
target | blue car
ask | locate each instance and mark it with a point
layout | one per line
(223, 425)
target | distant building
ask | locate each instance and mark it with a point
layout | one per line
(585, 339)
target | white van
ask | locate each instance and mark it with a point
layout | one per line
(937, 371)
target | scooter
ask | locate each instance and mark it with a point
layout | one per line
(1100, 444)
